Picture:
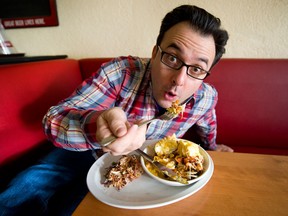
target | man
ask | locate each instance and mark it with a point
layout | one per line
(122, 93)
(130, 89)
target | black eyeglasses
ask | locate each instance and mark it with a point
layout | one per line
(175, 63)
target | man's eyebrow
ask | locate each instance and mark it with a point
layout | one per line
(175, 46)
(205, 60)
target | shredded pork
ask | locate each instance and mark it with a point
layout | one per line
(120, 173)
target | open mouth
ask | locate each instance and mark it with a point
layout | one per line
(171, 96)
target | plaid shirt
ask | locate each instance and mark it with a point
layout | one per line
(125, 82)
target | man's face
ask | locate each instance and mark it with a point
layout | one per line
(192, 48)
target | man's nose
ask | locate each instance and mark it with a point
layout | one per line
(180, 76)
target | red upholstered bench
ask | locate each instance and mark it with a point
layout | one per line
(252, 108)
(27, 91)
(253, 104)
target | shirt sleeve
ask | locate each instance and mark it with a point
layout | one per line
(69, 124)
(206, 126)
(206, 130)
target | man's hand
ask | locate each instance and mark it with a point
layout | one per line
(224, 148)
(114, 122)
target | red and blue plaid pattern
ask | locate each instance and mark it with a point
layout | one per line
(125, 82)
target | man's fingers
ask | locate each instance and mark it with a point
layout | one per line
(111, 122)
(116, 121)
(224, 148)
(123, 144)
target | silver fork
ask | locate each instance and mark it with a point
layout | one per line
(166, 116)
(165, 170)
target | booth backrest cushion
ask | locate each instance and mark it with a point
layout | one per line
(253, 104)
(27, 91)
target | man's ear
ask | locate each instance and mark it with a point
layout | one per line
(154, 52)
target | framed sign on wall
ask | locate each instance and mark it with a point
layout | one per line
(28, 13)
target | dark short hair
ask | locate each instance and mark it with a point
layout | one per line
(200, 20)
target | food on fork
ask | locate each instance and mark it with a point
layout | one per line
(176, 109)
(182, 156)
(120, 173)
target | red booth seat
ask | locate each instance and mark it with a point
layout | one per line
(252, 108)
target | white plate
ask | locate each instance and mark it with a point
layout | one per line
(142, 193)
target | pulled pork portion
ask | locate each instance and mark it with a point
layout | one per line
(124, 171)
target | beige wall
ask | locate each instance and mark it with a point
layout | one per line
(105, 28)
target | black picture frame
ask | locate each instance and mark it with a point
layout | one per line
(28, 13)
